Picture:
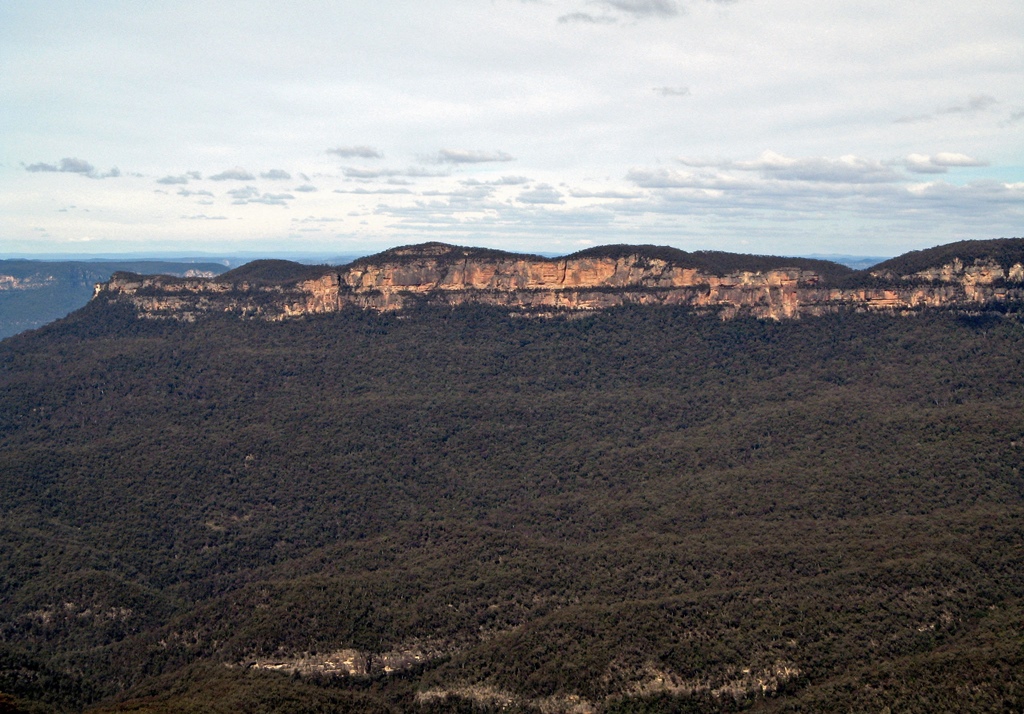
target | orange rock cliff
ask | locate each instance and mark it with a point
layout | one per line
(441, 274)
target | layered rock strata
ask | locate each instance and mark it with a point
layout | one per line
(448, 275)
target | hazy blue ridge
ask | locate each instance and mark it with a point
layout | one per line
(35, 292)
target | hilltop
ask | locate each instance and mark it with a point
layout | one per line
(968, 275)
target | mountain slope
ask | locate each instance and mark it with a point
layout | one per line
(634, 509)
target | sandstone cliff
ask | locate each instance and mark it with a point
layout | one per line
(440, 274)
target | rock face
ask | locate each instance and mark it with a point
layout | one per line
(441, 274)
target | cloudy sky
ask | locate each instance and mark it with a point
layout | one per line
(863, 127)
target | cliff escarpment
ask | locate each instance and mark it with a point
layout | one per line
(968, 275)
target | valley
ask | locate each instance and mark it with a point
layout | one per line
(460, 499)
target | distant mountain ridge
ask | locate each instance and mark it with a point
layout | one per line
(967, 275)
(35, 292)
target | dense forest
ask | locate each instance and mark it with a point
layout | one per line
(633, 510)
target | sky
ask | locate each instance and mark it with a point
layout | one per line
(786, 127)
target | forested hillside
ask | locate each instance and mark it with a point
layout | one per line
(446, 510)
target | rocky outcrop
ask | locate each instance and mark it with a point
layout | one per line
(32, 282)
(448, 275)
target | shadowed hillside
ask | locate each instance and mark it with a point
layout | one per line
(438, 510)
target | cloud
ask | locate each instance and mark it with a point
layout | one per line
(672, 91)
(361, 172)
(204, 217)
(77, 166)
(318, 219)
(373, 191)
(575, 193)
(503, 181)
(276, 175)
(466, 156)
(419, 172)
(939, 163)
(273, 199)
(74, 166)
(644, 8)
(665, 178)
(586, 18)
(814, 191)
(541, 194)
(976, 103)
(912, 118)
(185, 192)
(950, 159)
(306, 188)
(845, 169)
(172, 180)
(41, 167)
(250, 194)
(244, 194)
(468, 192)
(235, 174)
(356, 152)
(813, 173)
(365, 173)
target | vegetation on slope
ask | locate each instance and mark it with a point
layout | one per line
(641, 509)
(273, 272)
(715, 262)
(443, 253)
(1004, 251)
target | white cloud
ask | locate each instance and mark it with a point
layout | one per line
(276, 175)
(73, 166)
(644, 8)
(586, 18)
(78, 166)
(976, 103)
(467, 156)
(362, 172)
(35, 168)
(503, 181)
(950, 159)
(939, 163)
(244, 194)
(236, 174)
(541, 193)
(356, 152)
(845, 169)
(624, 195)
(374, 191)
(273, 199)
(250, 194)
